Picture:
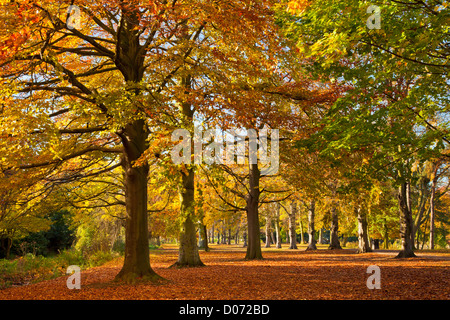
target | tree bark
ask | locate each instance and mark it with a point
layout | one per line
(204, 236)
(188, 255)
(432, 209)
(423, 196)
(211, 234)
(311, 230)
(363, 237)
(406, 226)
(134, 140)
(6, 245)
(334, 236)
(267, 230)
(252, 199)
(292, 234)
(302, 235)
(224, 233)
(320, 236)
(277, 225)
(137, 256)
(385, 234)
(188, 250)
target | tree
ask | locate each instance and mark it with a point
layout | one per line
(277, 207)
(363, 238)
(101, 86)
(398, 79)
(311, 230)
(24, 203)
(437, 170)
(292, 224)
(334, 236)
(242, 190)
(268, 228)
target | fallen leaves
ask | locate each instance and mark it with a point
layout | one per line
(283, 274)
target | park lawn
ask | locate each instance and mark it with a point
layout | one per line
(282, 274)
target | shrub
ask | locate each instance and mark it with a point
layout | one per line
(70, 257)
(32, 268)
(100, 257)
(99, 234)
(59, 237)
(119, 246)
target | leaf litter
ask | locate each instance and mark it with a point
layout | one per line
(282, 275)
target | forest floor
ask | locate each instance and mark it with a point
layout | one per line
(282, 274)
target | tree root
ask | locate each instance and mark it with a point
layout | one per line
(180, 265)
(133, 278)
(403, 254)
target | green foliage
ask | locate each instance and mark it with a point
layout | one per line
(399, 90)
(31, 268)
(36, 243)
(153, 246)
(100, 257)
(61, 234)
(97, 233)
(119, 246)
(58, 237)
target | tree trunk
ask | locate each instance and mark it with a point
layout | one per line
(292, 234)
(334, 236)
(385, 235)
(363, 237)
(268, 236)
(204, 235)
(134, 140)
(344, 240)
(424, 236)
(320, 236)
(405, 221)
(432, 209)
(224, 234)
(8, 248)
(244, 237)
(254, 242)
(188, 255)
(188, 250)
(200, 239)
(423, 196)
(311, 230)
(302, 235)
(137, 256)
(6, 245)
(277, 226)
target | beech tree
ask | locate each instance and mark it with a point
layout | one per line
(398, 72)
(311, 230)
(292, 214)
